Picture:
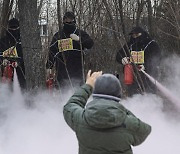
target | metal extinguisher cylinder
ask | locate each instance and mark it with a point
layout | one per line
(8, 73)
(50, 81)
(128, 74)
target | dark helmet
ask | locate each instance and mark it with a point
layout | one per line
(13, 23)
(69, 15)
(108, 84)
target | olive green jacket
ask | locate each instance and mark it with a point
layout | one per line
(103, 126)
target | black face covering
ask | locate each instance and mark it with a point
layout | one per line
(69, 28)
(13, 34)
(137, 39)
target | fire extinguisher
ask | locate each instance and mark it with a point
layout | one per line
(8, 73)
(50, 82)
(128, 74)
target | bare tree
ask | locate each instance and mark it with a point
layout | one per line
(150, 17)
(31, 44)
(106, 22)
(140, 6)
(40, 6)
(6, 11)
(59, 14)
(168, 21)
(120, 9)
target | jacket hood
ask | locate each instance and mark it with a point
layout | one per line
(136, 30)
(103, 113)
(107, 84)
(143, 38)
(13, 23)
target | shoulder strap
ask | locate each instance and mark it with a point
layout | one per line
(148, 44)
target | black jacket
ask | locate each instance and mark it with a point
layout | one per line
(14, 41)
(152, 53)
(152, 58)
(10, 41)
(70, 60)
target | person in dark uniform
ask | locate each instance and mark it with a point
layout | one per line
(66, 52)
(142, 52)
(11, 50)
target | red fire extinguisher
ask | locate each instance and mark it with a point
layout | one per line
(8, 73)
(50, 82)
(128, 74)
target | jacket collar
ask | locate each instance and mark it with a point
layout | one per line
(107, 97)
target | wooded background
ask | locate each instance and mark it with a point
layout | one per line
(108, 22)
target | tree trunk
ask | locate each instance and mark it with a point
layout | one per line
(34, 58)
(6, 11)
(40, 7)
(139, 11)
(150, 16)
(59, 14)
(122, 16)
(111, 19)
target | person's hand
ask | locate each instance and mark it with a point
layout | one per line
(5, 62)
(141, 67)
(125, 60)
(91, 78)
(74, 37)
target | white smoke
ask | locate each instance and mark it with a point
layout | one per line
(164, 138)
(172, 73)
(41, 129)
(37, 129)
